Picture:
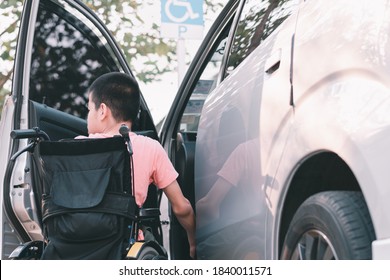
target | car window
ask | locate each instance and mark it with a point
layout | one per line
(257, 21)
(67, 56)
(205, 84)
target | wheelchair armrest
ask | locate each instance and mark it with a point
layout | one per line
(148, 213)
(28, 251)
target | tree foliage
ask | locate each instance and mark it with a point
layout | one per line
(130, 21)
(10, 11)
(138, 35)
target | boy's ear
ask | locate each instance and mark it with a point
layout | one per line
(104, 111)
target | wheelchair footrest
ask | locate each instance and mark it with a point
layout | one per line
(29, 251)
(149, 213)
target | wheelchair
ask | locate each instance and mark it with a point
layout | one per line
(88, 208)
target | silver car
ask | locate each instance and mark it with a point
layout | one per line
(290, 157)
(278, 130)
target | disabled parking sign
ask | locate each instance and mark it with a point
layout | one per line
(182, 19)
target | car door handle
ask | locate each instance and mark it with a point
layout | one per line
(273, 62)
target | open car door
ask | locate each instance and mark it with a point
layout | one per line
(62, 47)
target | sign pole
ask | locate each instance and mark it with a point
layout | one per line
(181, 19)
(181, 64)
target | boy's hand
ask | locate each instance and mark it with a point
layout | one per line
(193, 252)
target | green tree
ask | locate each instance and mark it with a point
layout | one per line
(128, 20)
(137, 35)
(10, 11)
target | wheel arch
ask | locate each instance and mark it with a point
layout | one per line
(324, 171)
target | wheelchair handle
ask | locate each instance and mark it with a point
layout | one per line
(29, 134)
(35, 134)
(124, 131)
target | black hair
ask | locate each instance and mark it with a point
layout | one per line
(120, 92)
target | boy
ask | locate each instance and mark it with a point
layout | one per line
(114, 100)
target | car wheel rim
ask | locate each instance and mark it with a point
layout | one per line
(314, 245)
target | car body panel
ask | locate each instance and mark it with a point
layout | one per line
(343, 85)
(312, 101)
(352, 91)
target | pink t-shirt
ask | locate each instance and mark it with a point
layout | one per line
(151, 164)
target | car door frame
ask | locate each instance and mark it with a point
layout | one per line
(172, 121)
(22, 230)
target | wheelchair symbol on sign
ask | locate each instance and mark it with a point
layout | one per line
(189, 14)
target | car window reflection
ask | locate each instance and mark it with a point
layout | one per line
(65, 60)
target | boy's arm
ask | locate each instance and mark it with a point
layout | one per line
(182, 209)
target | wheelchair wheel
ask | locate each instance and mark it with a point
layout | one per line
(148, 253)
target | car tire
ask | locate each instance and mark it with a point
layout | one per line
(330, 225)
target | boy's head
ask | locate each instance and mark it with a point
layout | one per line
(117, 92)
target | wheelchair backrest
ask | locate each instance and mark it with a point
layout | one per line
(87, 198)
